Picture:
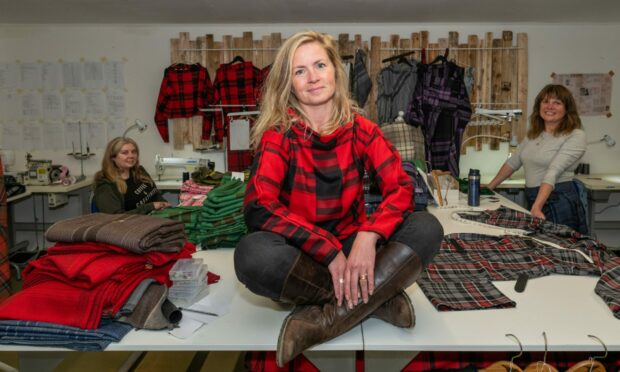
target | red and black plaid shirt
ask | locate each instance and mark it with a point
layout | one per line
(308, 188)
(184, 90)
(237, 84)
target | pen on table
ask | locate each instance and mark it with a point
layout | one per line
(197, 311)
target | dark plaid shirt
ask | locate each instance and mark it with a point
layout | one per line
(184, 90)
(308, 188)
(237, 84)
(440, 105)
(460, 277)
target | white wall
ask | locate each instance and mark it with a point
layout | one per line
(569, 48)
(575, 48)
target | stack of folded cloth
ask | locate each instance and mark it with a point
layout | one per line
(221, 222)
(207, 176)
(187, 215)
(193, 194)
(134, 232)
(105, 275)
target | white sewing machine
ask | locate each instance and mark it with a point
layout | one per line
(186, 164)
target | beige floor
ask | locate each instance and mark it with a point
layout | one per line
(221, 361)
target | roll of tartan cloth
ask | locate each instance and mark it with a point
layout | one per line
(134, 232)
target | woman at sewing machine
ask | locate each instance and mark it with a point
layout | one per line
(123, 185)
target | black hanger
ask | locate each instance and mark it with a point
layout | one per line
(237, 59)
(400, 57)
(348, 56)
(443, 58)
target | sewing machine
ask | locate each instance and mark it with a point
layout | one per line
(38, 172)
(187, 164)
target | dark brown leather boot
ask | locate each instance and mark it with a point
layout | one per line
(309, 283)
(397, 311)
(396, 267)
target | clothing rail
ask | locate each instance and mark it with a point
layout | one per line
(451, 49)
(226, 49)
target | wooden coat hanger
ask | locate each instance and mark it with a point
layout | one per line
(541, 366)
(504, 365)
(591, 365)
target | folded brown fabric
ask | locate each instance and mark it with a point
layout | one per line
(134, 232)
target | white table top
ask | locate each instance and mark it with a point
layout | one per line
(169, 184)
(510, 183)
(44, 189)
(565, 307)
(253, 322)
(610, 182)
(18, 197)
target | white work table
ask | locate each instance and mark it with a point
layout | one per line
(565, 307)
(169, 184)
(252, 323)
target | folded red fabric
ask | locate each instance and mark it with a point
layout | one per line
(76, 284)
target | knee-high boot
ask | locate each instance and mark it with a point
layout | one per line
(309, 283)
(396, 267)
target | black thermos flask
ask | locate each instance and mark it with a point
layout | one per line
(473, 188)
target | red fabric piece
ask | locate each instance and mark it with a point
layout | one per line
(5, 269)
(323, 175)
(265, 361)
(76, 284)
(212, 278)
(183, 91)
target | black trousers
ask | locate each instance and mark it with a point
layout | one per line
(264, 259)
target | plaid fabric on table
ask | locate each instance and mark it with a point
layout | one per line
(184, 90)
(460, 277)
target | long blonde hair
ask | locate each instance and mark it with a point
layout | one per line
(277, 96)
(571, 119)
(111, 172)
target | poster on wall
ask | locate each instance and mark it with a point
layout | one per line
(592, 92)
(38, 99)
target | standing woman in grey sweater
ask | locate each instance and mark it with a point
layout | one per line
(549, 155)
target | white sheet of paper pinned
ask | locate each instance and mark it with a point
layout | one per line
(239, 134)
(237, 176)
(187, 327)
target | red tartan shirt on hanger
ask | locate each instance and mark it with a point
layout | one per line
(184, 90)
(236, 84)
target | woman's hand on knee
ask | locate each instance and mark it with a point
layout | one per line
(337, 270)
(360, 274)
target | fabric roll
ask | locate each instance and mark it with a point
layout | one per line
(136, 233)
(24, 332)
(154, 311)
